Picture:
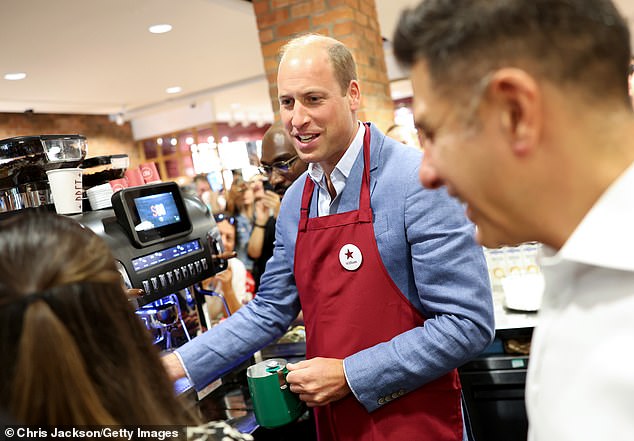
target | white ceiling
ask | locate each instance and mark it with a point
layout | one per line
(97, 56)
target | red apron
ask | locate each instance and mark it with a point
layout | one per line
(348, 310)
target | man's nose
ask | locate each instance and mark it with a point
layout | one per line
(300, 115)
(428, 175)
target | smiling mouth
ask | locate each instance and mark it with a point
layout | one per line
(305, 138)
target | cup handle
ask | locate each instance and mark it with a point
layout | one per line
(281, 377)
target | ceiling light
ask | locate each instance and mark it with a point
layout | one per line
(13, 76)
(174, 89)
(160, 28)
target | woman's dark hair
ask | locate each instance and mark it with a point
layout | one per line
(73, 350)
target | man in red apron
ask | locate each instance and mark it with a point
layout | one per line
(393, 287)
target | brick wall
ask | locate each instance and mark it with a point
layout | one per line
(104, 137)
(353, 22)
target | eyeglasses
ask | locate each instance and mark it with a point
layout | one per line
(220, 217)
(279, 167)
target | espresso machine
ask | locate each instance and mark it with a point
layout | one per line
(24, 161)
(165, 243)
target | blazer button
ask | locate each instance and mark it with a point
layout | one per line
(388, 398)
(381, 400)
(395, 395)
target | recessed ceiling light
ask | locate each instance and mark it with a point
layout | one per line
(13, 76)
(174, 89)
(160, 28)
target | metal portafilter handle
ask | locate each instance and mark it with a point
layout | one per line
(225, 255)
(206, 292)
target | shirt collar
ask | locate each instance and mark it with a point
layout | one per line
(346, 162)
(605, 237)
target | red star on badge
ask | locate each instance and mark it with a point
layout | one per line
(348, 254)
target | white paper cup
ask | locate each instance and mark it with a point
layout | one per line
(66, 188)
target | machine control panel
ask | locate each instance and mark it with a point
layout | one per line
(169, 261)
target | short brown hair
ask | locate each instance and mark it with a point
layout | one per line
(583, 43)
(343, 64)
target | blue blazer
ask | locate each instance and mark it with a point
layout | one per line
(427, 245)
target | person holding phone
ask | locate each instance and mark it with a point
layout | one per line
(280, 167)
(265, 211)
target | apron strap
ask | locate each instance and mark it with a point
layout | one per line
(365, 212)
(309, 186)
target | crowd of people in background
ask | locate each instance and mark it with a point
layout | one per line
(245, 214)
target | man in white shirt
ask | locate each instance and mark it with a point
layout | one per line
(525, 110)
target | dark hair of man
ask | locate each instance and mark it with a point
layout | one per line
(73, 350)
(584, 44)
(343, 64)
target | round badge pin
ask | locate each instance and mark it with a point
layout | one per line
(350, 257)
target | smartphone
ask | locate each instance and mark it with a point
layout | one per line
(266, 184)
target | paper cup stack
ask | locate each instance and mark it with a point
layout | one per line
(100, 196)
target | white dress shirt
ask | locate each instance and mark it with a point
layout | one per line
(338, 176)
(580, 384)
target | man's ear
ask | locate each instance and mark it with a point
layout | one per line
(518, 99)
(354, 95)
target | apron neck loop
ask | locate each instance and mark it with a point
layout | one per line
(365, 213)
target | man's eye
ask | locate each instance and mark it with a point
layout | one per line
(286, 102)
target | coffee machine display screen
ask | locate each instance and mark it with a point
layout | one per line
(156, 211)
(152, 213)
(162, 256)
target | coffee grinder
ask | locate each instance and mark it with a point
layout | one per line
(24, 161)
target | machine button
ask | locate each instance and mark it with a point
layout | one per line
(154, 281)
(177, 274)
(163, 280)
(185, 272)
(199, 268)
(146, 286)
(191, 268)
(204, 263)
(170, 278)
